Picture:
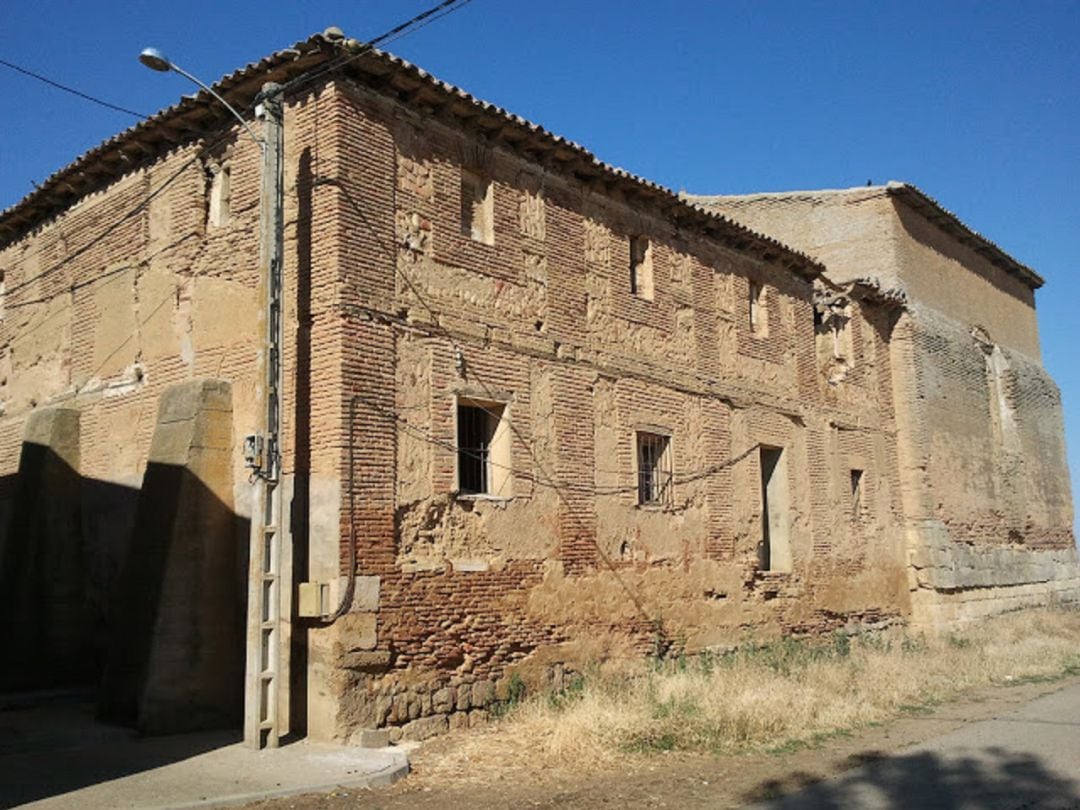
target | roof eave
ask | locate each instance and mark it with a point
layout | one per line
(939, 216)
(390, 75)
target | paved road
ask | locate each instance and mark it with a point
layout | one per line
(1022, 760)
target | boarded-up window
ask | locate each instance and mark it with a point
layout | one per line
(843, 343)
(220, 196)
(757, 313)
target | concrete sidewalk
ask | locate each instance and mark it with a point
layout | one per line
(53, 755)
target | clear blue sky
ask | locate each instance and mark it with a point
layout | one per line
(978, 103)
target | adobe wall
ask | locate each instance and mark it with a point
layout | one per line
(471, 590)
(850, 232)
(117, 298)
(995, 529)
(986, 487)
(942, 274)
(114, 309)
(104, 309)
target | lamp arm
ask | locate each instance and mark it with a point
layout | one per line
(227, 105)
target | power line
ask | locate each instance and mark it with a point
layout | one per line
(117, 223)
(424, 18)
(72, 90)
(435, 441)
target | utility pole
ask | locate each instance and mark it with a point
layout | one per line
(266, 715)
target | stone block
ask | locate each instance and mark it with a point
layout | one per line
(366, 660)
(372, 738)
(357, 631)
(442, 701)
(458, 720)
(382, 708)
(365, 593)
(483, 692)
(425, 727)
(477, 717)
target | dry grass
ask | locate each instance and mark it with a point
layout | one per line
(776, 697)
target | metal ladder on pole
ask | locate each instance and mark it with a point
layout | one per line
(266, 679)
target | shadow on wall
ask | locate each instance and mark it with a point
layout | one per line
(139, 593)
(987, 778)
(930, 236)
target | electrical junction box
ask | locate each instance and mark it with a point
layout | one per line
(314, 600)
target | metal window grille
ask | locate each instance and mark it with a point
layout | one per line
(475, 429)
(654, 469)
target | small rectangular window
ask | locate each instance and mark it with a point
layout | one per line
(483, 448)
(758, 317)
(654, 469)
(641, 271)
(856, 493)
(220, 196)
(477, 208)
(774, 551)
(3, 295)
(843, 348)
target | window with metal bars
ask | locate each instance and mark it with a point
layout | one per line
(654, 469)
(475, 430)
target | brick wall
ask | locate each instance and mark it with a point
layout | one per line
(544, 323)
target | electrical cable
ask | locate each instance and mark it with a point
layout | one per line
(558, 489)
(676, 480)
(395, 32)
(117, 223)
(72, 90)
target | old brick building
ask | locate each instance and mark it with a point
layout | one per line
(987, 501)
(536, 410)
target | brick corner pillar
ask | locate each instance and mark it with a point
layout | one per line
(176, 661)
(41, 574)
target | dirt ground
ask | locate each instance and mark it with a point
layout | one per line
(440, 780)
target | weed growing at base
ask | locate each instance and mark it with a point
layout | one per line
(784, 695)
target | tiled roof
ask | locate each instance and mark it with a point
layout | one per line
(916, 199)
(195, 115)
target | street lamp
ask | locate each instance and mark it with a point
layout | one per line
(269, 583)
(156, 60)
